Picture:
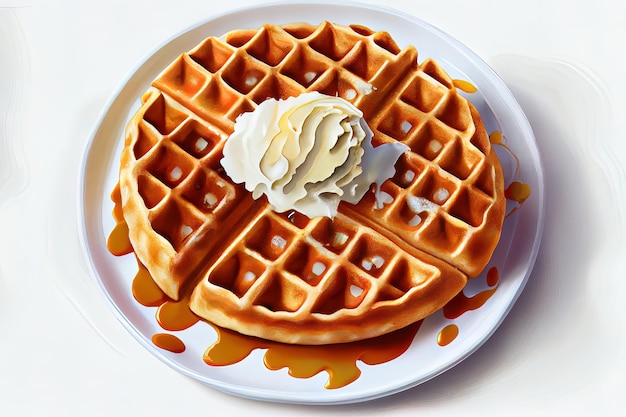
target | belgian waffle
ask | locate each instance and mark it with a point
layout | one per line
(283, 276)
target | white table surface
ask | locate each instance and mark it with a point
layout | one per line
(562, 349)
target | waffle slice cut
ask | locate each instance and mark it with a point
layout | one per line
(317, 281)
(282, 276)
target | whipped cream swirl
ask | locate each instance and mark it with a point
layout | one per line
(307, 153)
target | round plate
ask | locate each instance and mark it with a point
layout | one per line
(514, 256)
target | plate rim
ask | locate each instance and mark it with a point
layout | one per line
(271, 395)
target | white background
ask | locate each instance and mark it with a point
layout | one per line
(562, 349)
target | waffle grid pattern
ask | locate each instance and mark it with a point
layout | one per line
(179, 189)
(219, 80)
(348, 266)
(440, 214)
(445, 188)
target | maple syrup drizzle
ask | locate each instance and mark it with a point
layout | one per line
(305, 361)
(118, 242)
(447, 334)
(168, 342)
(116, 197)
(516, 191)
(461, 304)
(145, 290)
(176, 315)
(497, 138)
(493, 277)
(465, 86)
(519, 192)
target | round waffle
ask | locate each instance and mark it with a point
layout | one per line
(282, 276)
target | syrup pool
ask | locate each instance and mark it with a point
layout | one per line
(168, 342)
(447, 335)
(302, 361)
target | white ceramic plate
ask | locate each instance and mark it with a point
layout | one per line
(514, 256)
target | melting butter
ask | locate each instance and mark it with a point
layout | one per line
(308, 153)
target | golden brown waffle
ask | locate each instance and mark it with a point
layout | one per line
(283, 276)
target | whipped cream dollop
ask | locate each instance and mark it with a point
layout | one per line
(308, 153)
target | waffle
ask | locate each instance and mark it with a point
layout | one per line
(283, 276)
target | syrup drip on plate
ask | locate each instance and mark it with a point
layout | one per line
(516, 191)
(118, 243)
(498, 139)
(176, 315)
(168, 342)
(303, 361)
(461, 303)
(447, 334)
(465, 86)
(145, 290)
